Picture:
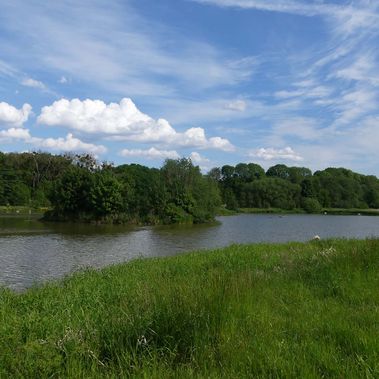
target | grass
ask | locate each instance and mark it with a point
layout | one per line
(21, 210)
(352, 211)
(264, 311)
(271, 210)
(331, 211)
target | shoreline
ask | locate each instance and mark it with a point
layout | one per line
(278, 211)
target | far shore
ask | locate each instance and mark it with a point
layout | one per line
(324, 211)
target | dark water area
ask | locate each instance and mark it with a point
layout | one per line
(32, 252)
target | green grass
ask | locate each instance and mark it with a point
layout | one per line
(257, 311)
(352, 211)
(271, 210)
(331, 211)
(21, 210)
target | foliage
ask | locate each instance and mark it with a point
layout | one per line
(256, 311)
(78, 187)
(311, 205)
(190, 195)
(247, 186)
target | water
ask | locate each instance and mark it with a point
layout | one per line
(32, 252)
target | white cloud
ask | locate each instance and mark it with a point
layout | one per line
(308, 91)
(300, 127)
(201, 161)
(94, 116)
(67, 144)
(349, 18)
(70, 143)
(112, 47)
(14, 134)
(287, 94)
(363, 68)
(63, 80)
(354, 104)
(29, 82)
(151, 153)
(237, 105)
(198, 159)
(11, 116)
(275, 154)
(124, 121)
(6, 69)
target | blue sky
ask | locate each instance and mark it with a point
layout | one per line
(220, 81)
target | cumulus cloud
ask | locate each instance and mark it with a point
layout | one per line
(201, 161)
(151, 153)
(67, 144)
(198, 159)
(124, 121)
(29, 82)
(11, 116)
(275, 154)
(14, 134)
(70, 143)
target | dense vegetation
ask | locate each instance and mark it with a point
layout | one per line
(249, 186)
(76, 187)
(279, 311)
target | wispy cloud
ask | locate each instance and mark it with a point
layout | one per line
(349, 18)
(116, 48)
(29, 82)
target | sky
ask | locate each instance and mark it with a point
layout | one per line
(219, 81)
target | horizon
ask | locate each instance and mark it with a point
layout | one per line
(219, 81)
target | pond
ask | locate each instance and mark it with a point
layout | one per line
(32, 252)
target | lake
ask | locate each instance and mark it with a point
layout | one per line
(32, 252)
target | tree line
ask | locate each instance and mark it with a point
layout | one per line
(249, 186)
(77, 187)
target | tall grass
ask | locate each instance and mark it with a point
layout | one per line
(265, 311)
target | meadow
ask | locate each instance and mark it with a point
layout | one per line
(295, 310)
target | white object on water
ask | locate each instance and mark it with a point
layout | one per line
(316, 238)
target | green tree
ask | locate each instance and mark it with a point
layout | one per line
(311, 205)
(105, 194)
(279, 171)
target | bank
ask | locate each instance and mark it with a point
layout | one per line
(265, 310)
(324, 211)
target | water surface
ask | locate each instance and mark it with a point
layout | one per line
(32, 252)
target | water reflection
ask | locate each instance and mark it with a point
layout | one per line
(32, 251)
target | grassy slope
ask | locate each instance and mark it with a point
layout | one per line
(293, 310)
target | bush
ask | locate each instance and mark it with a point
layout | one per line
(311, 205)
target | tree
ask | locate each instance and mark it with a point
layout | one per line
(105, 194)
(279, 171)
(298, 174)
(311, 205)
(71, 196)
(191, 196)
